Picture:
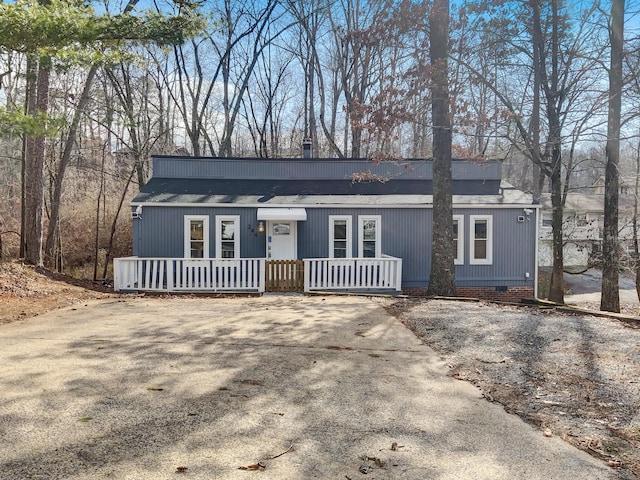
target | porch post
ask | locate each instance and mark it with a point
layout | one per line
(116, 275)
(263, 274)
(307, 275)
(169, 275)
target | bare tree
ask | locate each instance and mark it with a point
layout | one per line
(51, 252)
(562, 57)
(358, 33)
(213, 72)
(133, 91)
(610, 299)
(322, 78)
(266, 104)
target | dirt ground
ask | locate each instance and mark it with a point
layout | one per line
(574, 376)
(26, 292)
(596, 408)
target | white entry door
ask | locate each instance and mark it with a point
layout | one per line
(281, 240)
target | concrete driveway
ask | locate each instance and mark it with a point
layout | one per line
(586, 287)
(289, 387)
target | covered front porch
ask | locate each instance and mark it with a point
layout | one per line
(256, 275)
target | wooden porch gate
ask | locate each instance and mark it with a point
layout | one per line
(284, 276)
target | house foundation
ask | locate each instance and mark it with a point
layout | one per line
(494, 294)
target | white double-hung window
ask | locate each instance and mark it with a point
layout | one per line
(458, 239)
(340, 236)
(227, 236)
(369, 236)
(196, 236)
(481, 240)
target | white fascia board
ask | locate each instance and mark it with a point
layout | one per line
(333, 205)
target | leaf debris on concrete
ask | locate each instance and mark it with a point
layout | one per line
(253, 466)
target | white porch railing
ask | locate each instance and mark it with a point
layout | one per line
(248, 274)
(353, 274)
(183, 274)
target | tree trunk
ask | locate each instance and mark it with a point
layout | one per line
(442, 276)
(556, 285)
(313, 126)
(636, 250)
(34, 170)
(96, 238)
(610, 300)
(538, 177)
(546, 78)
(29, 106)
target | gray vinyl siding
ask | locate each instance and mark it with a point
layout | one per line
(160, 231)
(290, 169)
(513, 250)
(405, 233)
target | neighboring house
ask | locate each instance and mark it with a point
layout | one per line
(218, 224)
(582, 227)
(626, 185)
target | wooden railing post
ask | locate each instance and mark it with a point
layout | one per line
(116, 275)
(262, 274)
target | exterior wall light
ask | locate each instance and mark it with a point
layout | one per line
(260, 227)
(137, 213)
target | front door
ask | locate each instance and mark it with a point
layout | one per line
(281, 240)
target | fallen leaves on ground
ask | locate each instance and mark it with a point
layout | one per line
(26, 291)
(253, 466)
(573, 376)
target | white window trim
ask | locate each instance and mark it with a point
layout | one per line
(361, 220)
(582, 218)
(472, 237)
(187, 234)
(459, 260)
(236, 240)
(332, 219)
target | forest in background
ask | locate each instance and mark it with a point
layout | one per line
(528, 83)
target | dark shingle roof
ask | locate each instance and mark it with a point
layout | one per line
(177, 190)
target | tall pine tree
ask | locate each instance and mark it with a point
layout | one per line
(67, 30)
(442, 277)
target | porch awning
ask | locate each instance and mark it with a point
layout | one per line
(282, 214)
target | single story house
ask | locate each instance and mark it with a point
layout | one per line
(255, 224)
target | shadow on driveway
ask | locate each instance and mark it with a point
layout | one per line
(297, 387)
